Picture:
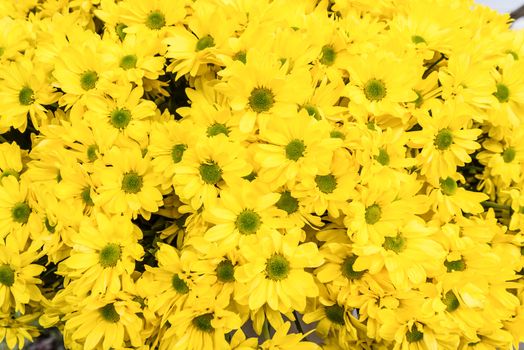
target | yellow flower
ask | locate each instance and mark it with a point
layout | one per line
(152, 17)
(283, 341)
(446, 141)
(509, 94)
(103, 255)
(14, 39)
(241, 211)
(18, 277)
(207, 167)
(128, 183)
(262, 86)
(10, 159)
(273, 272)
(293, 148)
(25, 90)
(16, 331)
(105, 322)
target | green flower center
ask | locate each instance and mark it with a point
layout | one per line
(502, 93)
(203, 322)
(109, 255)
(336, 134)
(179, 285)
(248, 222)
(312, 111)
(396, 244)
(205, 42)
(277, 267)
(417, 39)
(448, 186)
(91, 153)
(7, 275)
(10, 172)
(455, 265)
(295, 149)
(119, 29)
(128, 62)
(20, 213)
(261, 100)
(326, 183)
(177, 152)
(287, 202)
(88, 80)
(109, 313)
(25, 96)
(382, 157)
(86, 196)
(375, 90)
(49, 226)
(372, 214)
(225, 271)
(155, 20)
(414, 335)
(240, 56)
(328, 55)
(217, 129)
(509, 155)
(444, 139)
(120, 118)
(347, 268)
(335, 313)
(131, 182)
(210, 173)
(451, 301)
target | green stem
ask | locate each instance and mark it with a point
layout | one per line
(297, 323)
(265, 330)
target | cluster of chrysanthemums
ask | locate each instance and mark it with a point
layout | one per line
(198, 168)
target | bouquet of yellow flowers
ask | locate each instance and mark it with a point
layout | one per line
(185, 174)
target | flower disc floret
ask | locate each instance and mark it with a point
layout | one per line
(448, 186)
(509, 155)
(502, 93)
(417, 39)
(177, 152)
(328, 55)
(295, 149)
(109, 313)
(382, 157)
(225, 271)
(261, 99)
(326, 183)
(20, 212)
(414, 335)
(91, 153)
(25, 96)
(132, 182)
(210, 173)
(120, 118)
(287, 202)
(335, 313)
(217, 129)
(204, 43)
(347, 268)
(375, 90)
(373, 214)
(248, 222)
(128, 62)
(155, 20)
(277, 267)
(88, 80)
(451, 301)
(455, 265)
(7, 275)
(179, 285)
(396, 244)
(444, 139)
(203, 322)
(110, 255)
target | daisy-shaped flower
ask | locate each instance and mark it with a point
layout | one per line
(103, 256)
(18, 277)
(153, 17)
(207, 166)
(10, 159)
(294, 147)
(283, 340)
(201, 325)
(105, 322)
(25, 91)
(241, 211)
(125, 113)
(273, 272)
(263, 85)
(128, 184)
